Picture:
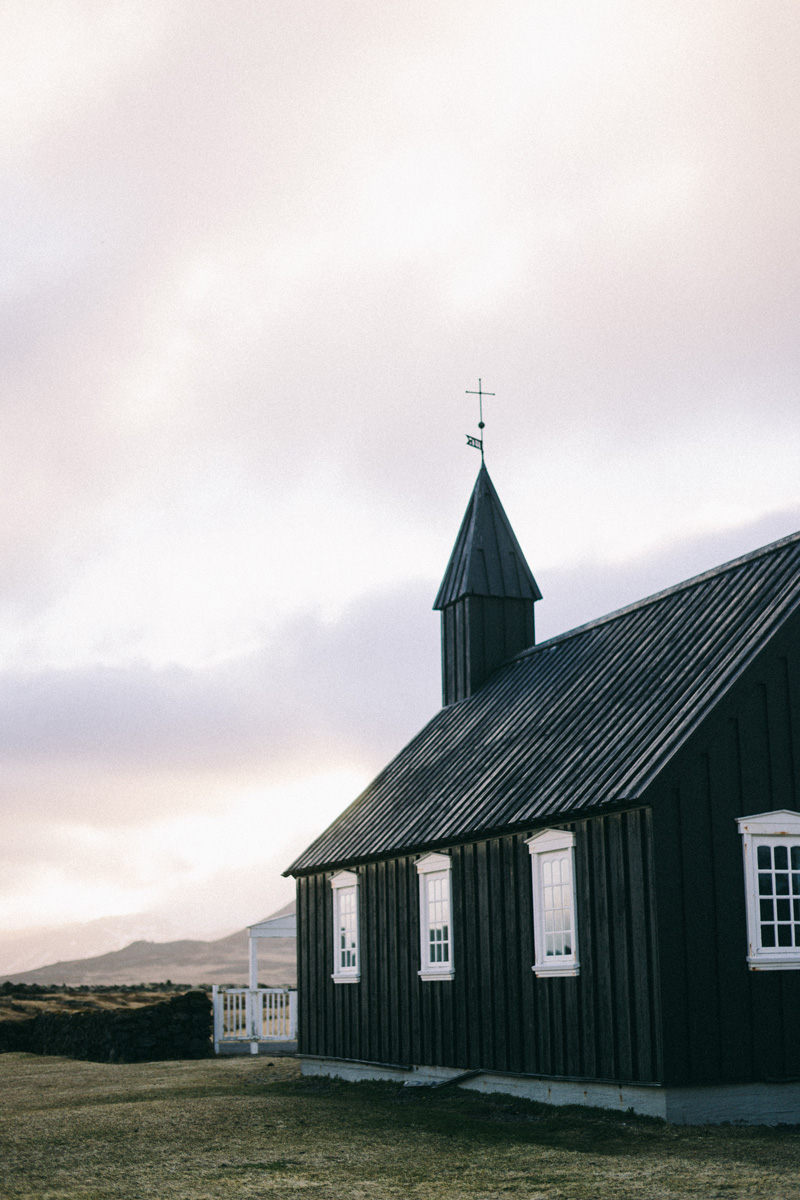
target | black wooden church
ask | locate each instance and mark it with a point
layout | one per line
(580, 882)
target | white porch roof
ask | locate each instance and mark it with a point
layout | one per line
(275, 927)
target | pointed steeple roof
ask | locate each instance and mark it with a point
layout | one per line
(486, 559)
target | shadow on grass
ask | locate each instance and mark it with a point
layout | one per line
(495, 1119)
(387, 1112)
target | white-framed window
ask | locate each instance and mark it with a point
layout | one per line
(555, 932)
(346, 961)
(435, 917)
(771, 845)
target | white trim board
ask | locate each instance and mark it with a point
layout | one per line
(431, 865)
(546, 845)
(770, 830)
(341, 883)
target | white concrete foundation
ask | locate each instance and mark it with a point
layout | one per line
(354, 1072)
(276, 1049)
(741, 1104)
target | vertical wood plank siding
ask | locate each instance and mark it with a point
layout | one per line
(479, 634)
(722, 1022)
(495, 1013)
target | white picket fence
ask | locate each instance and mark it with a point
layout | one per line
(254, 1015)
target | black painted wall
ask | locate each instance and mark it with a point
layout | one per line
(664, 992)
(479, 634)
(495, 1013)
(723, 1022)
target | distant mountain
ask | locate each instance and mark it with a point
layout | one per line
(27, 949)
(222, 961)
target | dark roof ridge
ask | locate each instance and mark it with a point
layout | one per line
(670, 591)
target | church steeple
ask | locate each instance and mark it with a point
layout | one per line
(486, 598)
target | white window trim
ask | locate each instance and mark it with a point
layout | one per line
(427, 865)
(771, 825)
(345, 879)
(538, 845)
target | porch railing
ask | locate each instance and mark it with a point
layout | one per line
(254, 1015)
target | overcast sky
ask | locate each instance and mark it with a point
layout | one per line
(252, 256)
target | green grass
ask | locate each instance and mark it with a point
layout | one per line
(239, 1127)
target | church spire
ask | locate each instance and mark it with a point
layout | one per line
(486, 597)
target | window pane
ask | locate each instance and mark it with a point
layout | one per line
(779, 893)
(556, 904)
(346, 900)
(438, 917)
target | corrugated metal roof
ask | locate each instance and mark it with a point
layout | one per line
(583, 719)
(486, 559)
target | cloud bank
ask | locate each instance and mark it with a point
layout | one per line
(252, 259)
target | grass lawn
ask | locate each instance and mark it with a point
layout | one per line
(251, 1127)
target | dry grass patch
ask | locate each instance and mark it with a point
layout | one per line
(240, 1127)
(18, 1006)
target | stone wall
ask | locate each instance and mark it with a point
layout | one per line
(177, 1028)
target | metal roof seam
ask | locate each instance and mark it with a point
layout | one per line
(660, 595)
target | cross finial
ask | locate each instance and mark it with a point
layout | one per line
(477, 442)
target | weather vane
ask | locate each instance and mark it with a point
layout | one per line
(477, 442)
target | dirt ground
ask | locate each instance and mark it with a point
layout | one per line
(252, 1127)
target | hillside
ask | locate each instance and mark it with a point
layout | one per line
(222, 961)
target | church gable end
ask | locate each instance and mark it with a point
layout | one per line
(728, 1017)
